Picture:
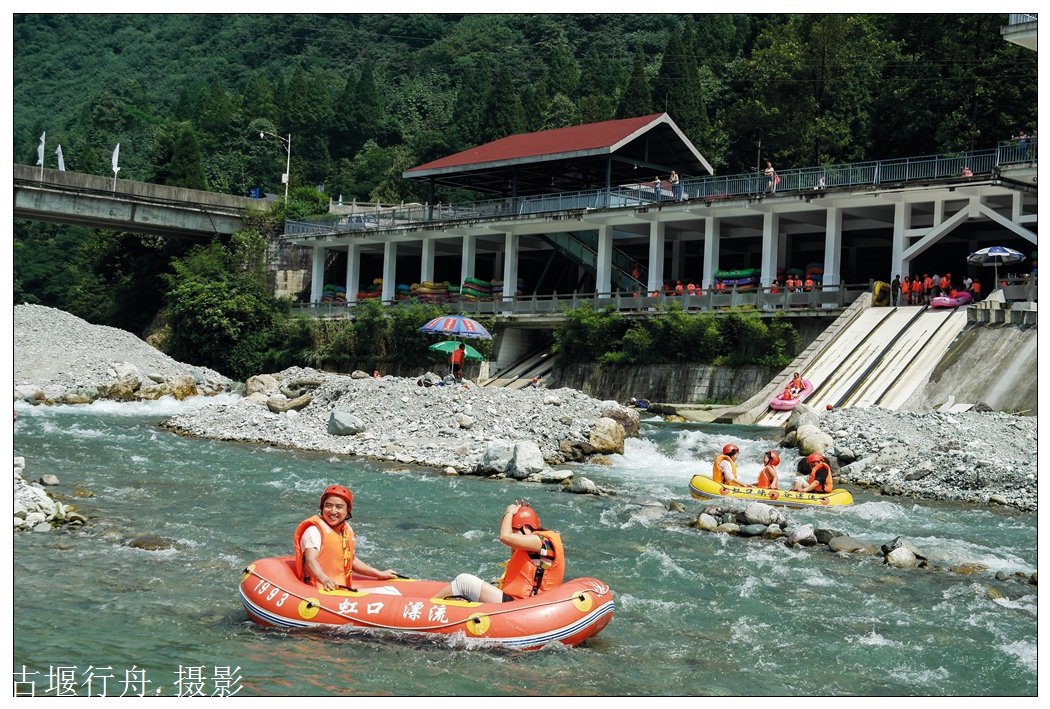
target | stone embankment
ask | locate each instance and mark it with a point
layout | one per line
(62, 359)
(461, 428)
(983, 457)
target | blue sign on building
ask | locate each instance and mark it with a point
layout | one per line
(255, 193)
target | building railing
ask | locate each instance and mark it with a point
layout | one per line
(1021, 18)
(876, 172)
(763, 299)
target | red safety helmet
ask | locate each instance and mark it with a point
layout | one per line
(338, 491)
(814, 458)
(774, 457)
(525, 516)
(730, 449)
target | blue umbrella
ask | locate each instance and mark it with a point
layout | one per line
(993, 256)
(457, 326)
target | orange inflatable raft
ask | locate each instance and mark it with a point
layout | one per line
(568, 614)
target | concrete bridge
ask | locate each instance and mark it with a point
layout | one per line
(125, 205)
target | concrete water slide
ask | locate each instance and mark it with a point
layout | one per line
(536, 363)
(879, 360)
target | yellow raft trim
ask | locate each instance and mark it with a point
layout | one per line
(703, 487)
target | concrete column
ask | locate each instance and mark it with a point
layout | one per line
(833, 248)
(466, 269)
(657, 231)
(426, 268)
(938, 212)
(1015, 207)
(353, 273)
(770, 247)
(510, 265)
(603, 281)
(317, 276)
(497, 264)
(782, 251)
(712, 226)
(389, 271)
(898, 266)
(676, 257)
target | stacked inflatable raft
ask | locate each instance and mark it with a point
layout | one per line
(475, 289)
(743, 280)
(333, 295)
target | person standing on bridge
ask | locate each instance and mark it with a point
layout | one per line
(895, 289)
(771, 177)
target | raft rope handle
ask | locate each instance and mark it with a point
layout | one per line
(575, 597)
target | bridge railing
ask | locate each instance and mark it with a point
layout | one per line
(875, 172)
(763, 299)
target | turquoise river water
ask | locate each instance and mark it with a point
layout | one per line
(696, 613)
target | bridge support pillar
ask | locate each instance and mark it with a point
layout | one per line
(510, 266)
(676, 258)
(770, 247)
(389, 271)
(833, 250)
(603, 279)
(426, 269)
(353, 273)
(317, 275)
(657, 231)
(712, 226)
(470, 247)
(898, 266)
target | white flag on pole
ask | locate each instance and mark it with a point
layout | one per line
(116, 155)
(40, 150)
(61, 164)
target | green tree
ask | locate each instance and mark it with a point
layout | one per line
(503, 114)
(344, 131)
(470, 103)
(560, 113)
(677, 90)
(258, 101)
(637, 97)
(366, 112)
(213, 113)
(185, 169)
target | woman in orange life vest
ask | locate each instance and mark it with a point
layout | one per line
(324, 545)
(797, 385)
(927, 286)
(720, 287)
(819, 476)
(537, 563)
(788, 394)
(768, 477)
(724, 469)
(906, 290)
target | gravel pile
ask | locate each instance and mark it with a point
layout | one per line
(442, 426)
(987, 457)
(59, 351)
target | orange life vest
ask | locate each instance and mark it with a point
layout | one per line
(716, 472)
(336, 555)
(927, 285)
(720, 287)
(529, 572)
(787, 395)
(809, 284)
(773, 288)
(797, 383)
(905, 286)
(765, 479)
(828, 486)
(457, 356)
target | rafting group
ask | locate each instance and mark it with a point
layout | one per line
(326, 583)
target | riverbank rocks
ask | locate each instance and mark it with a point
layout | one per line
(280, 406)
(261, 384)
(34, 508)
(607, 436)
(628, 418)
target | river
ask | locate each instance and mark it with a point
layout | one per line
(696, 613)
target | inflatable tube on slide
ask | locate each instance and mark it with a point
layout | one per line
(949, 302)
(882, 294)
(569, 614)
(703, 487)
(787, 405)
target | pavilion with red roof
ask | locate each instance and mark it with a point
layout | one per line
(592, 156)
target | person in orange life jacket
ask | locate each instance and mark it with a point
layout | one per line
(819, 476)
(768, 477)
(809, 284)
(537, 563)
(797, 385)
(720, 287)
(774, 287)
(946, 283)
(456, 359)
(927, 286)
(324, 545)
(788, 394)
(691, 288)
(724, 469)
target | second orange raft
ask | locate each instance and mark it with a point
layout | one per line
(569, 613)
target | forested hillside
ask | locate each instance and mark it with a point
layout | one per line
(366, 96)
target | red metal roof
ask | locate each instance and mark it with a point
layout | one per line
(573, 139)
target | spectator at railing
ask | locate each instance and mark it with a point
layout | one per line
(771, 177)
(657, 189)
(1035, 139)
(820, 183)
(1022, 146)
(966, 172)
(676, 186)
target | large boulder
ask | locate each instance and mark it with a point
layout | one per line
(584, 486)
(901, 558)
(496, 458)
(802, 534)
(29, 391)
(801, 415)
(344, 423)
(761, 513)
(280, 406)
(810, 439)
(628, 418)
(126, 372)
(527, 460)
(607, 436)
(182, 386)
(119, 391)
(706, 522)
(899, 543)
(575, 450)
(263, 384)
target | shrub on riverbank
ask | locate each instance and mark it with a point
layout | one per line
(606, 336)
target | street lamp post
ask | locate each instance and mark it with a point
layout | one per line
(288, 166)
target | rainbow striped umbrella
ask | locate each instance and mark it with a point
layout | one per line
(456, 326)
